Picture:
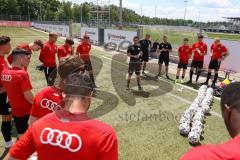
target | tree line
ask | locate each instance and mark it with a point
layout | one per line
(55, 10)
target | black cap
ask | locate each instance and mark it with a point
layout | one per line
(78, 84)
(20, 51)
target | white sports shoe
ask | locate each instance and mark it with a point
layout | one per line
(33, 156)
(9, 144)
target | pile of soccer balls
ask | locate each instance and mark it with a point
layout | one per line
(191, 122)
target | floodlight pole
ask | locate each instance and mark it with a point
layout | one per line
(28, 11)
(199, 13)
(185, 13)
(155, 11)
(97, 15)
(120, 13)
(81, 14)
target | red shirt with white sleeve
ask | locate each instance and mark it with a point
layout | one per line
(16, 81)
(69, 137)
(48, 55)
(46, 101)
(199, 47)
(225, 151)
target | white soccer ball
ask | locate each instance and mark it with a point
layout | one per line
(184, 128)
(193, 138)
(197, 130)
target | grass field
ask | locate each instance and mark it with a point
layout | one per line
(174, 37)
(235, 37)
(145, 123)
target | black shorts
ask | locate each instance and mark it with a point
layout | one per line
(21, 124)
(182, 65)
(5, 108)
(145, 57)
(88, 65)
(163, 58)
(214, 64)
(197, 64)
(134, 67)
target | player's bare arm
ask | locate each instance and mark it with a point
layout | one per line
(28, 95)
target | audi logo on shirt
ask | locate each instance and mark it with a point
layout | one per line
(62, 139)
(49, 104)
(6, 78)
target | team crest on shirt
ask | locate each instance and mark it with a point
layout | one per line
(62, 139)
(6, 78)
(49, 104)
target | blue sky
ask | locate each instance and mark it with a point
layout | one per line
(210, 10)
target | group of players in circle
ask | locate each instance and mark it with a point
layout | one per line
(55, 119)
(54, 123)
(140, 50)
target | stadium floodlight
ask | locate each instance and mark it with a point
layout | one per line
(185, 13)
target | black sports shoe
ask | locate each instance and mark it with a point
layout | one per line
(140, 88)
(213, 86)
(205, 83)
(167, 77)
(189, 82)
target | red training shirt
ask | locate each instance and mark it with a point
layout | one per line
(69, 137)
(218, 51)
(48, 55)
(84, 50)
(185, 53)
(3, 65)
(226, 151)
(16, 81)
(22, 46)
(64, 51)
(46, 101)
(203, 49)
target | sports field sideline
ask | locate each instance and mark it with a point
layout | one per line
(146, 123)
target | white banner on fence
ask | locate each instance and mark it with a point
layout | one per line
(91, 32)
(232, 62)
(118, 36)
(62, 30)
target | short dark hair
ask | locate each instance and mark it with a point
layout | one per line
(53, 34)
(77, 84)
(39, 43)
(148, 35)
(69, 41)
(200, 36)
(185, 39)
(136, 37)
(70, 65)
(19, 52)
(4, 40)
(86, 36)
(231, 96)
